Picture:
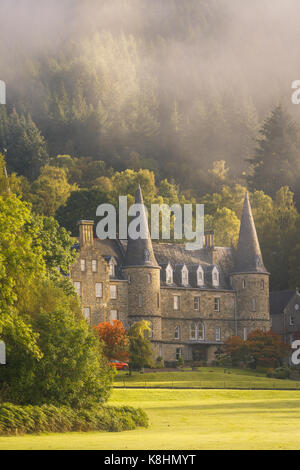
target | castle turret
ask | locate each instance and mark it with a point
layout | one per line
(143, 273)
(250, 278)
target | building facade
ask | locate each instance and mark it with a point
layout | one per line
(193, 300)
(285, 314)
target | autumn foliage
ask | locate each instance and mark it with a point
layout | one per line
(259, 350)
(115, 340)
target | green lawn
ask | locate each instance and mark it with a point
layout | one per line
(205, 377)
(191, 419)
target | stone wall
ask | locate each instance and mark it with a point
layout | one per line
(252, 301)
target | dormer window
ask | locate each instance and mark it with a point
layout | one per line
(112, 267)
(184, 276)
(200, 277)
(215, 277)
(169, 274)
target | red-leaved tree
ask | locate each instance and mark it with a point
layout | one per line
(260, 349)
(115, 340)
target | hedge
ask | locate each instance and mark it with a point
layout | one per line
(16, 419)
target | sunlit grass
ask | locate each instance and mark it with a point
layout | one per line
(193, 420)
(205, 377)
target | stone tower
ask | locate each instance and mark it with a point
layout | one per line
(250, 279)
(143, 273)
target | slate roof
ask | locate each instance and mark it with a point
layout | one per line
(248, 256)
(140, 252)
(279, 300)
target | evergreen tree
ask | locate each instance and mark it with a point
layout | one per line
(277, 159)
(26, 147)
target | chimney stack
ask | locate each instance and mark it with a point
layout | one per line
(209, 240)
(86, 232)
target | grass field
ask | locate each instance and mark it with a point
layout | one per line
(205, 377)
(191, 420)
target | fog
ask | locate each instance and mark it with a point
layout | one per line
(249, 45)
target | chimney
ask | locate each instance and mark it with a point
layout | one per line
(86, 232)
(209, 240)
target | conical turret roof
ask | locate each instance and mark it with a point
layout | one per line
(248, 255)
(140, 252)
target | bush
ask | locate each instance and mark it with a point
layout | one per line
(72, 371)
(180, 362)
(48, 418)
(280, 373)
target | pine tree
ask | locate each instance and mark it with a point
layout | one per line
(26, 147)
(277, 159)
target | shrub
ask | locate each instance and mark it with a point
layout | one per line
(71, 372)
(16, 419)
(180, 362)
(280, 373)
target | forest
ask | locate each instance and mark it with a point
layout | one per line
(186, 98)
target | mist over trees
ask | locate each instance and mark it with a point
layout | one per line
(191, 99)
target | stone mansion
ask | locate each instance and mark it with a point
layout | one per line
(194, 300)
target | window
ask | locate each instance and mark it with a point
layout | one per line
(197, 303)
(262, 284)
(129, 279)
(151, 330)
(94, 266)
(245, 334)
(254, 305)
(193, 331)
(177, 332)
(178, 353)
(169, 274)
(140, 300)
(112, 268)
(87, 314)
(149, 277)
(201, 331)
(113, 315)
(176, 302)
(82, 265)
(184, 276)
(77, 286)
(292, 320)
(200, 277)
(218, 334)
(217, 304)
(113, 292)
(215, 277)
(99, 290)
(244, 284)
(197, 332)
(158, 301)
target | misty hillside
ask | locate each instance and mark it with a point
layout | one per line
(169, 85)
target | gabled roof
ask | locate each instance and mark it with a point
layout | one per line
(279, 301)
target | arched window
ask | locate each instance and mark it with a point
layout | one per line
(149, 277)
(201, 331)
(151, 329)
(169, 274)
(193, 331)
(184, 276)
(177, 332)
(215, 277)
(200, 277)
